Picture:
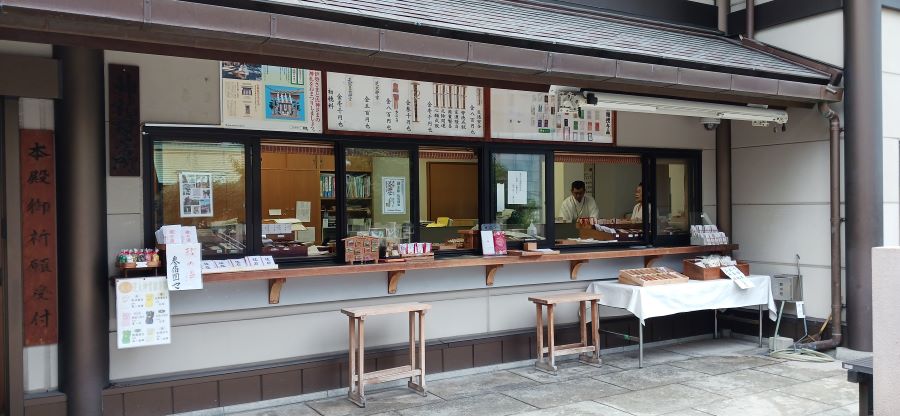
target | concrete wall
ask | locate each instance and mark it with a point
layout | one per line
(886, 340)
(890, 78)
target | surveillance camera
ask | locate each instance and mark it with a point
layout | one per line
(710, 123)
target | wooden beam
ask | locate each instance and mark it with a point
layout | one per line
(394, 279)
(490, 272)
(574, 266)
(275, 286)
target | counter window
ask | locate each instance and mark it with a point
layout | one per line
(204, 185)
(519, 192)
(596, 198)
(297, 180)
(377, 194)
(675, 191)
(448, 196)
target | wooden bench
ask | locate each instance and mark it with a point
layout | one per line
(358, 376)
(548, 364)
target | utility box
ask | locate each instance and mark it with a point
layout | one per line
(786, 287)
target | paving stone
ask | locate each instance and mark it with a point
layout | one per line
(649, 377)
(567, 371)
(484, 405)
(804, 371)
(629, 360)
(834, 391)
(741, 383)
(291, 410)
(724, 364)
(716, 347)
(764, 404)
(688, 412)
(585, 408)
(848, 410)
(377, 402)
(660, 400)
(566, 392)
(478, 384)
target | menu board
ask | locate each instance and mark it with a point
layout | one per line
(526, 115)
(266, 97)
(142, 312)
(387, 105)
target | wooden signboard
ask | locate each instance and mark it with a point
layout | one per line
(124, 120)
(39, 273)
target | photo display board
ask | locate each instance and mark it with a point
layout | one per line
(386, 105)
(266, 97)
(526, 115)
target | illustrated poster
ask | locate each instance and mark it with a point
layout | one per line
(183, 266)
(267, 97)
(393, 195)
(142, 312)
(387, 105)
(526, 115)
(195, 194)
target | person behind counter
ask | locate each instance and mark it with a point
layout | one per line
(578, 205)
(637, 214)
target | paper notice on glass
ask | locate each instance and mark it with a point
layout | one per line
(142, 312)
(195, 194)
(184, 266)
(518, 187)
(393, 195)
(487, 243)
(737, 276)
(303, 210)
(501, 197)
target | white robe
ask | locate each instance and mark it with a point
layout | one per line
(572, 210)
(637, 214)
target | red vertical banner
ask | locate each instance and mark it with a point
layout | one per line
(38, 183)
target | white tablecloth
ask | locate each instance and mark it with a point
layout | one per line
(695, 295)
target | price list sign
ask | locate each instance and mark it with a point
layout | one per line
(142, 312)
(38, 198)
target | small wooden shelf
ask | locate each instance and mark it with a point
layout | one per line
(395, 271)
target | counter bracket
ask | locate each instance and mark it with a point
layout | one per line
(275, 286)
(490, 271)
(574, 266)
(394, 279)
(649, 260)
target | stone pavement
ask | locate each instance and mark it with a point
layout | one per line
(711, 377)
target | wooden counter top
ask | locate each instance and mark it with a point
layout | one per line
(395, 271)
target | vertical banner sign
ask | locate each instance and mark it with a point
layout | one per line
(142, 312)
(38, 187)
(124, 120)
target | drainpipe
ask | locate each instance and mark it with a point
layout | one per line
(750, 20)
(836, 307)
(723, 7)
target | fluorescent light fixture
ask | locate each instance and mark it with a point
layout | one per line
(638, 104)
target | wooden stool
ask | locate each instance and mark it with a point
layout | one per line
(549, 364)
(358, 377)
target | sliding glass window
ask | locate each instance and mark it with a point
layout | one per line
(203, 185)
(519, 189)
(676, 197)
(378, 194)
(448, 197)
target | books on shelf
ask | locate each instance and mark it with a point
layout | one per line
(359, 186)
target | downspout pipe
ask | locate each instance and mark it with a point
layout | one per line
(835, 176)
(751, 30)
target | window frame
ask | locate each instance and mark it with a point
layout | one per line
(694, 161)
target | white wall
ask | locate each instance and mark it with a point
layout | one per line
(890, 61)
(819, 37)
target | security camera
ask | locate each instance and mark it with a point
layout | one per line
(710, 123)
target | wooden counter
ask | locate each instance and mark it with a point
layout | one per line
(395, 271)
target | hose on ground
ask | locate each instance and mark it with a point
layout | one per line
(801, 354)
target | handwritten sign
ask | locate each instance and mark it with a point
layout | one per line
(183, 266)
(518, 187)
(267, 97)
(38, 199)
(738, 277)
(393, 195)
(399, 106)
(142, 312)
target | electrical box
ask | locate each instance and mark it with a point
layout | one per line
(787, 287)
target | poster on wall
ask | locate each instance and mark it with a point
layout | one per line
(518, 187)
(398, 106)
(393, 195)
(526, 115)
(183, 266)
(267, 97)
(142, 312)
(196, 194)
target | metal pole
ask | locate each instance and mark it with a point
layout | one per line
(723, 177)
(760, 324)
(724, 7)
(640, 344)
(751, 8)
(12, 279)
(715, 324)
(863, 143)
(81, 190)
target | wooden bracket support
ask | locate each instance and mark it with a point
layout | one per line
(394, 279)
(490, 272)
(649, 260)
(574, 265)
(275, 286)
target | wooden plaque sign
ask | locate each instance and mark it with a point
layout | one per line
(38, 187)
(124, 120)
